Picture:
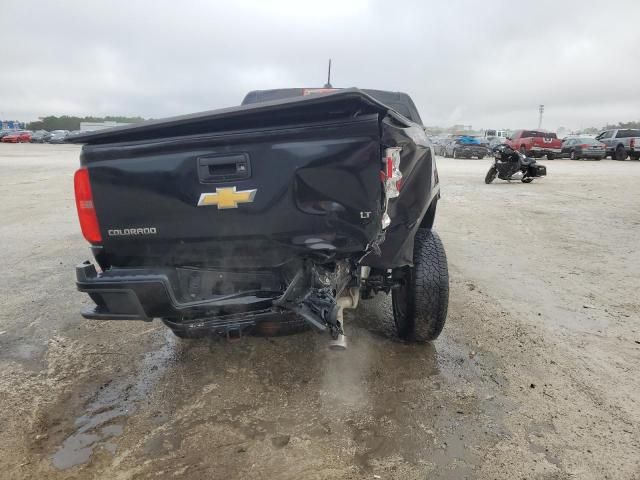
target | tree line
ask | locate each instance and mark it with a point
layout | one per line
(66, 122)
(623, 125)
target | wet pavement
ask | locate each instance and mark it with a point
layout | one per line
(533, 376)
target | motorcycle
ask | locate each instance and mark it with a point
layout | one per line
(510, 164)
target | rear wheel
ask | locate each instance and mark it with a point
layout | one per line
(420, 302)
(621, 153)
(491, 175)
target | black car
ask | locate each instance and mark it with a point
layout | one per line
(583, 147)
(464, 148)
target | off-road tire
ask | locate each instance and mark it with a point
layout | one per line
(420, 303)
(491, 175)
(620, 153)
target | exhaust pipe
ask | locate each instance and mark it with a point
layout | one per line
(349, 299)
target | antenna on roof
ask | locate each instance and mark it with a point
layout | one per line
(328, 84)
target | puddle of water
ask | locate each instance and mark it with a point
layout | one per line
(105, 415)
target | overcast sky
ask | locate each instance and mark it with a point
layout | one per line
(487, 63)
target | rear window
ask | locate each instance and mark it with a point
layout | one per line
(537, 134)
(400, 102)
(587, 141)
(627, 133)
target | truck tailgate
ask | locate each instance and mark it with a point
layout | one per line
(248, 198)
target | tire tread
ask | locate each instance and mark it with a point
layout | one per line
(430, 284)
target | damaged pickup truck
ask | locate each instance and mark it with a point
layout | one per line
(282, 211)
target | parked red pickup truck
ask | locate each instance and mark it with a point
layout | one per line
(536, 143)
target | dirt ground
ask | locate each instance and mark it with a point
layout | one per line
(534, 377)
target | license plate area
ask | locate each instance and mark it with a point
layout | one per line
(205, 284)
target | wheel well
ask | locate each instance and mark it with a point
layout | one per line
(430, 216)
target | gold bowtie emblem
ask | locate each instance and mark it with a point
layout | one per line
(226, 197)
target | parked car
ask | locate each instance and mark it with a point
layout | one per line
(500, 134)
(202, 231)
(484, 141)
(465, 147)
(58, 136)
(4, 133)
(535, 143)
(438, 144)
(495, 141)
(40, 136)
(23, 136)
(582, 147)
(621, 143)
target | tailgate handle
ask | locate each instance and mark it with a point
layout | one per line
(221, 168)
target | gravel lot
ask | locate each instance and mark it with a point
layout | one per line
(535, 375)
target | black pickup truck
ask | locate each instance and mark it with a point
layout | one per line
(288, 208)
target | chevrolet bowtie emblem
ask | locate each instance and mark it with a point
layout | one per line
(226, 197)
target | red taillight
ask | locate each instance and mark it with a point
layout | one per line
(86, 210)
(391, 175)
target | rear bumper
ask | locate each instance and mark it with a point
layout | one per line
(545, 150)
(144, 294)
(592, 153)
(190, 299)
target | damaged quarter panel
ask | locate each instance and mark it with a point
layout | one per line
(419, 190)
